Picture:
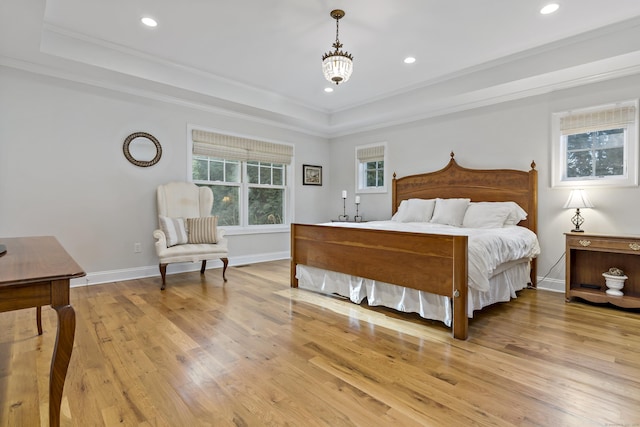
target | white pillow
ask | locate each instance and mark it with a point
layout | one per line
(450, 211)
(401, 212)
(486, 215)
(203, 229)
(516, 213)
(174, 230)
(415, 210)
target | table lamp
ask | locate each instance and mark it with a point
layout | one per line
(578, 200)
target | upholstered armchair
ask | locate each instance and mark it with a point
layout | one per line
(187, 232)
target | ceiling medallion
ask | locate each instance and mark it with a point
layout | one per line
(337, 66)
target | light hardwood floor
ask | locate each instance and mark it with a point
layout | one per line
(253, 352)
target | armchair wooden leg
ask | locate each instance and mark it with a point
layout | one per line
(204, 266)
(39, 319)
(163, 273)
(225, 261)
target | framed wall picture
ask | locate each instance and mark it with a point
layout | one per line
(311, 175)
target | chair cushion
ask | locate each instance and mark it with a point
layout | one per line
(174, 229)
(203, 230)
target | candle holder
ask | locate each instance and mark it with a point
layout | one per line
(344, 216)
(357, 218)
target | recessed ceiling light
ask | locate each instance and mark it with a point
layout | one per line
(409, 60)
(149, 22)
(550, 8)
(328, 89)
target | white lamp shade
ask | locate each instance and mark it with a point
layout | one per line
(578, 200)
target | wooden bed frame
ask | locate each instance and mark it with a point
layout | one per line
(404, 258)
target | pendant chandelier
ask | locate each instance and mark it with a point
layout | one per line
(337, 66)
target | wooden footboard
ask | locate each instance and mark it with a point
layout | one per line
(427, 262)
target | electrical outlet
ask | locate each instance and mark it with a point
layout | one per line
(137, 248)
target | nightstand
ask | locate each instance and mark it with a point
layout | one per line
(589, 255)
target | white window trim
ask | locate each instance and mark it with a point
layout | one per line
(359, 173)
(558, 155)
(289, 196)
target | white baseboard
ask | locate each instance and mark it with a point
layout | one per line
(153, 271)
(98, 277)
(554, 285)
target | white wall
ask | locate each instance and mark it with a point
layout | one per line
(63, 172)
(508, 135)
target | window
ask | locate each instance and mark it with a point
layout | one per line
(248, 178)
(265, 183)
(596, 146)
(223, 177)
(370, 168)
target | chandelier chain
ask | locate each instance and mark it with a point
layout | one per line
(337, 44)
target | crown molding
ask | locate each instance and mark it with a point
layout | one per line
(399, 113)
(88, 61)
(166, 94)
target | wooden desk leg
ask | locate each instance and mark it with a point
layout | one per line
(39, 319)
(60, 363)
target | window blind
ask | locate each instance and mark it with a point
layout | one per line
(606, 118)
(370, 154)
(235, 148)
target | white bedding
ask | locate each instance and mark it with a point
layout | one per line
(498, 266)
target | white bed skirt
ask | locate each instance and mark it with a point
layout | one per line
(503, 287)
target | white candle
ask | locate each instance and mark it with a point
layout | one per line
(344, 194)
(357, 200)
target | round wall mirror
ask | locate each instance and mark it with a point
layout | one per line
(142, 149)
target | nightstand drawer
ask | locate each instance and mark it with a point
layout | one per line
(625, 245)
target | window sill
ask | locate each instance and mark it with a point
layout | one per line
(606, 182)
(237, 231)
(371, 190)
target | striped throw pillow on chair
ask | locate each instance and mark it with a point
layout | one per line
(203, 230)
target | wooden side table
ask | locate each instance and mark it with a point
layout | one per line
(36, 271)
(590, 255)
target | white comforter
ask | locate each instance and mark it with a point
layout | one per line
(487, 248)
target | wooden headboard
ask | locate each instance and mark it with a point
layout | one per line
(479, 185)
